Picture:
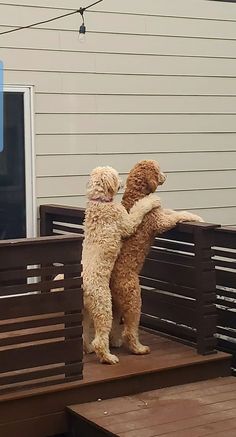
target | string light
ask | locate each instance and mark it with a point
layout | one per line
(81, 11)
(82, 29)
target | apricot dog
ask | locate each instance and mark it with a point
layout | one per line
(142, 180)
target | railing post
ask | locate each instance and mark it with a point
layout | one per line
(46, 225)
(205, 286)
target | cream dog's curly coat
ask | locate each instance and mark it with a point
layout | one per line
(105, 224)
(143, 179)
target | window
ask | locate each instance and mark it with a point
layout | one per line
(17, 211)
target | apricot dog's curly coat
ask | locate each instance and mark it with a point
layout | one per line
(143, 179)
(105, 223)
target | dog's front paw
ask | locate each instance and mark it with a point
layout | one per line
(141, 350)
(186, 216)
(155, 201)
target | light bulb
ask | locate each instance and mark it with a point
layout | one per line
(82, 31)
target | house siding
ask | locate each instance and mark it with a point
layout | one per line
(154, 80)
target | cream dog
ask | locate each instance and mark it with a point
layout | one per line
(105, 224)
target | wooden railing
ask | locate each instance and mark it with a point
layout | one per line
(40, 331)
(178, 279)
(225, 260)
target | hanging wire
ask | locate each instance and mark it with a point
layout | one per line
(80, 11)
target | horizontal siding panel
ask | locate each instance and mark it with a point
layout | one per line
(62, 61)
(109, 84)
(76, 185)
(138, 143)
(149, 83)
(217, 214)
(186, 200)
(224, 216)
(199, 199)
(111, 123)
(182, 8)
(67, 103)
(83, 164)
(113, 23)
(118, 43)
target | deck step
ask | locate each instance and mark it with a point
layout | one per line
(197, 409)
(169, 364)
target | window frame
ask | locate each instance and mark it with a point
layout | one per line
(30, 175)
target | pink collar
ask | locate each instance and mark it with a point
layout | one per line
(99, 199)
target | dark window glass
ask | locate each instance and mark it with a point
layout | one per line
(12, 169)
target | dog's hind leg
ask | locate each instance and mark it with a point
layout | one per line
(131, 316)
(117, 329)
(101, 309)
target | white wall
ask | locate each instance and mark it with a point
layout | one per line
(155, 79)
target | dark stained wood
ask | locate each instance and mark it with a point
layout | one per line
(193, 410)
(40, 330)
(177, 250)
(169, 363)
(187, 262)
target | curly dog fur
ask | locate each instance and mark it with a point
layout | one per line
(105, 224)
(143, 179)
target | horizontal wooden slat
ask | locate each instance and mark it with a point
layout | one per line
(38, 321)
(181, 332)
(226, 238)
(226, 318)
(220, 252)
(228, 293)
(40, 355)
(168, 286)
(223, 264)
(226, 278)
(31, 337)
(64, 228)
(34, 253)
(42, 271)
(30, 305)
(227, 332)
(226, 303)
(17, 377)
(171, 257)
(174, 273)
(67, 284)
(177, 310)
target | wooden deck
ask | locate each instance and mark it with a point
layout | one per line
(42, 411)
(191, 410)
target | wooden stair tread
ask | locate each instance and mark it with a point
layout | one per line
(199, 409)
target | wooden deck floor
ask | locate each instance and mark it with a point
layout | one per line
(191, 410)
(42, 411)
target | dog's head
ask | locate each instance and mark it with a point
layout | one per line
(147, 176)
(103, 183)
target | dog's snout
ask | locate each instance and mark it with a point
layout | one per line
(163, 178)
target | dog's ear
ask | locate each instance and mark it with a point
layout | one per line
(110, 183)
(152, 183)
